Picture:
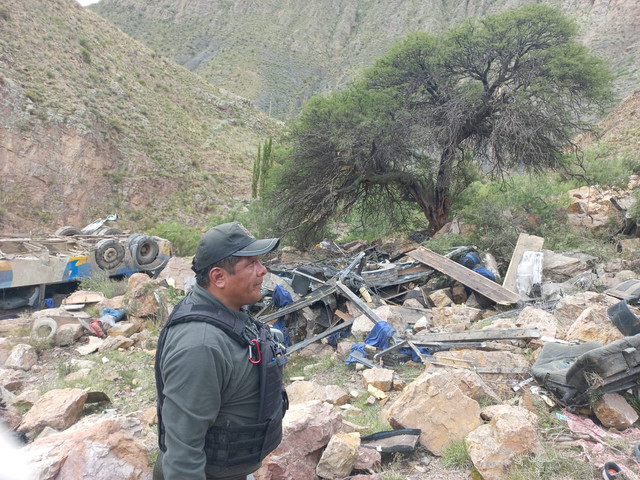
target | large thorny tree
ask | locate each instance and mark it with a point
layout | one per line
(495, 94)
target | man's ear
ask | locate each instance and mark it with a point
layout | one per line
(218, 277)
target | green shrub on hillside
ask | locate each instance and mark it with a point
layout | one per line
(499, 211)
(601, 165)
(86, 55)
(184, 240)
(115, 124)
(32, 95)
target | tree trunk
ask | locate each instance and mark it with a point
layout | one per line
(435, 200)
(434, 203)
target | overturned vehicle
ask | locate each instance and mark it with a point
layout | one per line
(33, 268)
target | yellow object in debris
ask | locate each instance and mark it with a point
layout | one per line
(376, 392)
(365, 294)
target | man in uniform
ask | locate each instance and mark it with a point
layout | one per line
(215, 420)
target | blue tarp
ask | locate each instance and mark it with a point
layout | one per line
(379, 336)
(471, 259)
(484, 272)
(356, 347)
(282, 298)
(414, 355)
(116, 314)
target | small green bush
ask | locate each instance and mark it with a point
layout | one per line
(602, 165)
(551, 463)
(184, 240)
(456, 456)
(115, 124)
(101, 282)
(4, 14)
(86, 55)
(32, 95)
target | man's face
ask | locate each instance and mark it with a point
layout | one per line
(243, 286)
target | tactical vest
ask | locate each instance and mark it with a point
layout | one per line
(246, 444)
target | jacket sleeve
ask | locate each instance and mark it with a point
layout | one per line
(193, 380)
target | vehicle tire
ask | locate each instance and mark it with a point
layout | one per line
(146, 249)
(44, 328)
(68, 231)
(109, 253)
(104, 231)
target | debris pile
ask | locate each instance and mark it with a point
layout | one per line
(557, 336)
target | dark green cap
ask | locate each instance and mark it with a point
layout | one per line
(229, 239)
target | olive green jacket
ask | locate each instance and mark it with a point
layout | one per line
(208, 380)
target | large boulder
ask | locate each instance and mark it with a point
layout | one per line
(11, 379)
(500, 368)
(436, 405)
(57, 409)
(593, 325)
(532, 317)
(96, 448)
(559, 267)
(613, 411)
(492, 447)
(456, 314)
(307, 429)
(22, 357)
(141, 298)
(340, 456)
(381, 378)
(304, 391)
(568, 309)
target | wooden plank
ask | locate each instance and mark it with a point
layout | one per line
(526, 243)
(478, 335)
(83, 297)
(468, 277)
(342, 315)
(481, 370)
(409, 271)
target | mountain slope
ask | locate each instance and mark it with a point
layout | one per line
(93, 122)
(280, 52)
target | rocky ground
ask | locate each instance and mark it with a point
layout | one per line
(76, 388)
(85, 406)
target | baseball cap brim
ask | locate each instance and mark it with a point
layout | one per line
(258, 247)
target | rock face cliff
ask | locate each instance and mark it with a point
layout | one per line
(93, 122)
(280, 52)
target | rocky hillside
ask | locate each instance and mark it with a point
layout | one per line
(621, 127)
(278, 53)
(93, 122)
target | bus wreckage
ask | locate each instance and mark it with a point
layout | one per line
(33, 268)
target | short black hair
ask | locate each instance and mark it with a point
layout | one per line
(228, 263)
